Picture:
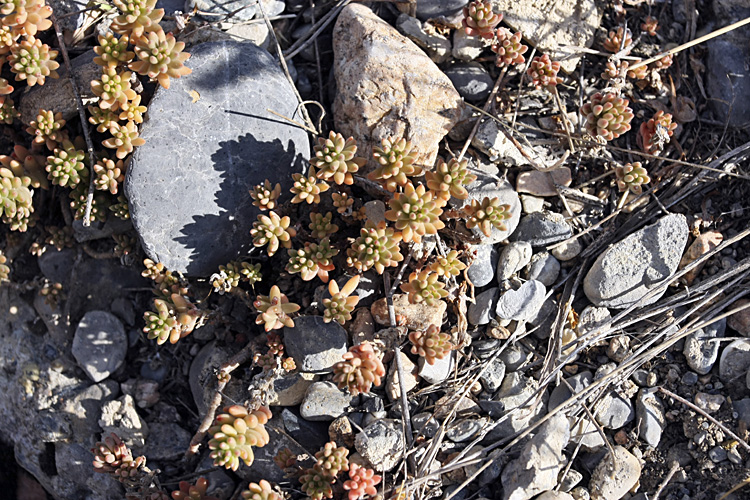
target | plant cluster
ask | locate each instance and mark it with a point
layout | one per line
(655, 133)
(341, 304)
(235, 432)
(260, 491)
(195, 491)
(508, 48)
(631, 177)
(360, 370)
(543, 72)
(431, 344)
(396, 163)
(113, 457)
(362, 482)
(423, 286)
(335, 158)
(4, 268)
(449, 179)
(274, 310)
(487, 214)
(480, 20)
(607, 116)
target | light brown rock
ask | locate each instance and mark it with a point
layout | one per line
(416, 316)
(341, 431)
(702, 245)
(611, 481)
(550, 28)
(740, 321)
(388, 87)
(543, 183)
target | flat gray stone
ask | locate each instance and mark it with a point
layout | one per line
(649, 412)
(427, 9)
(436, 373)
(482, 311)
(513, 257)
(464, 430)
(734, 362)
(562, 393)
(542, 228)
(536, 469)
(471, 80)
(543, 267)
(434, 44)
(465, 47)
(100, 344)
(630, 268)
(482, 270)
(700, 351)
(215, 10)
(522, 304)
(314, 344)
(324, 401)
(210, 153)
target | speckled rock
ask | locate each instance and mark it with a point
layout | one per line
(314, 344)
(419, 102)
(418, 316)
(100, 344)
(324, 401)
(700, 351)
(611, 481)
(543, 267)
(381, 444)
(471, 80)
(542, 184)
(542, 228)
(630, 268)
(513, 257)
(210, 157)
(740, 321)
(734, 361)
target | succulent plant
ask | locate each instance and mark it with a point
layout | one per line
(159, 57)
(655, 133)
(124, 139)
(23, 162)
(424, 287)
(274, 343)
(227, 279)
(174, 319)
(274, 310)
(4, 268)
(508, 48)
(112, 456)
(335, 158)
(250, 273)
(136, 17)
(316, 484)
(663, 63)
(15, 199)
(113, 88)
(431, 344)
(449, 179)
(448, 264)
(52, 293)
(313, 260)
(332, 459)
(99, 204)
(33, 61)
(479, 20)
(487, 214)
(102, 118)
(60, 237)
(235, 432)
(264, 197)
(415, 213)
(341, 304)
(8, 111)
(273, 231)
(121, 209)
(113, 51)
(188, 491)
(260, 491)
(607, 116)
(65, 165)
(362, 482)
(132, 110)
(265, 361)
(543, 72)
(396, 158)
(376, 247)
(26, 17)
(639, 74)
(650, 25)
(288, 364)
(360, 369)
(307, 188)
(109, 174)
(125, 244)
(157, 272)
(321, 226)
(614, 41)
(7, 39)
(631, 177)
(614, 70)
(48, 129)
(285, 458)
(342, 202)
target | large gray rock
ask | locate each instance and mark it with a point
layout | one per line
(482, 310)
(482, 270)
(388, 87)
(542, 229)
(471, 80)
(727, 63)
(100, 344)
(630, 268)
(210, 153)
(650, 415)
(536, 469)
(314, 344)
(522, 304)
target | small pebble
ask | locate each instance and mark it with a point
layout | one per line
(717, 454)
(690, 378)
(734, 455)
(709, 402)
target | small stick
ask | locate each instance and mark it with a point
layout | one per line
(705, 414)
(222, 379)
(672, 471)
(564, 116)
(680, 48)
(84, 122)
